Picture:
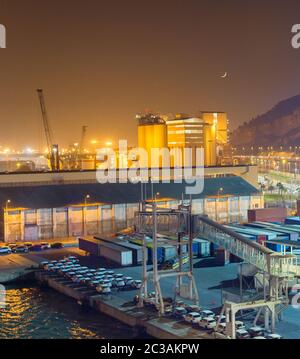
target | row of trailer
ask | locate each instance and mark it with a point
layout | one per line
(128, 250)
(279, 237)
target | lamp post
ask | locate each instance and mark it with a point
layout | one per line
(220, 190)
(86, 199)
(7, 204)
(84, 213)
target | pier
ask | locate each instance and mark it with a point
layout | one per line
(118, 306)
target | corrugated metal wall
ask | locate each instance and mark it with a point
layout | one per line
(60, 222)
(45, 223)
(12, 226)
(91, 220)
(75, 221)
(42, 224)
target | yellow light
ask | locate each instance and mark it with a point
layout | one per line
(108, 143)
(94, 142)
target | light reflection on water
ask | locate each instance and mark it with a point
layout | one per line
(42, 314)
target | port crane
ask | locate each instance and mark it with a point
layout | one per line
(81, 147)
(51, 146)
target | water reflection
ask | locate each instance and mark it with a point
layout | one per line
(35, 313)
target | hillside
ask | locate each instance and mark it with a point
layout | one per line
(279, 126)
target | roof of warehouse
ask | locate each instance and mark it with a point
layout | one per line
(52, 196)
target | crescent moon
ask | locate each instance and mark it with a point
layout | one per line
(224, 76)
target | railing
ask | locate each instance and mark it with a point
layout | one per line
(261, 257)
(168, 222)
(251, 252)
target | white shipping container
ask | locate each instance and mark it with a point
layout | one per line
(116, 254)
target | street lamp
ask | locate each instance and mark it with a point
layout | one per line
(220, 190)
(7, 203)
(86, 199)
(84, 214)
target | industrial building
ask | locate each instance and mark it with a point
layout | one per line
(207, 130)
(78, 206)
(152, 133)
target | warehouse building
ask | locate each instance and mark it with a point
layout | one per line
(38, 212)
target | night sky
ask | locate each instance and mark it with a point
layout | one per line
(101, 62)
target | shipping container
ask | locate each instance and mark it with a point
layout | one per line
(290, 227)
(256, 232)
(292, 220)
(261, 239)
(274, 247)
(168, 252)
(116, 253)
(119, 254)
(184, 248)
(201, 248)
(267, 214)
(281, 232)
(137, 250)
(196, 249)
(89, 245)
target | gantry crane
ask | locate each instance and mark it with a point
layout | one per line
(76, 160)
(51, 146)
(81, 146)
(82, 140)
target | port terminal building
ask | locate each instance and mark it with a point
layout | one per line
(40, 206)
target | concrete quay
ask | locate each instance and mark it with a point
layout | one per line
(117, 306)
(17, 267)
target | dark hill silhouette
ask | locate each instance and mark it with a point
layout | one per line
(279, 126)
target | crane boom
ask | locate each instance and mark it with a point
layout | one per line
(52, 147)
(47, 129)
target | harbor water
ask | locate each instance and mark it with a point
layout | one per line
(35, 313)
